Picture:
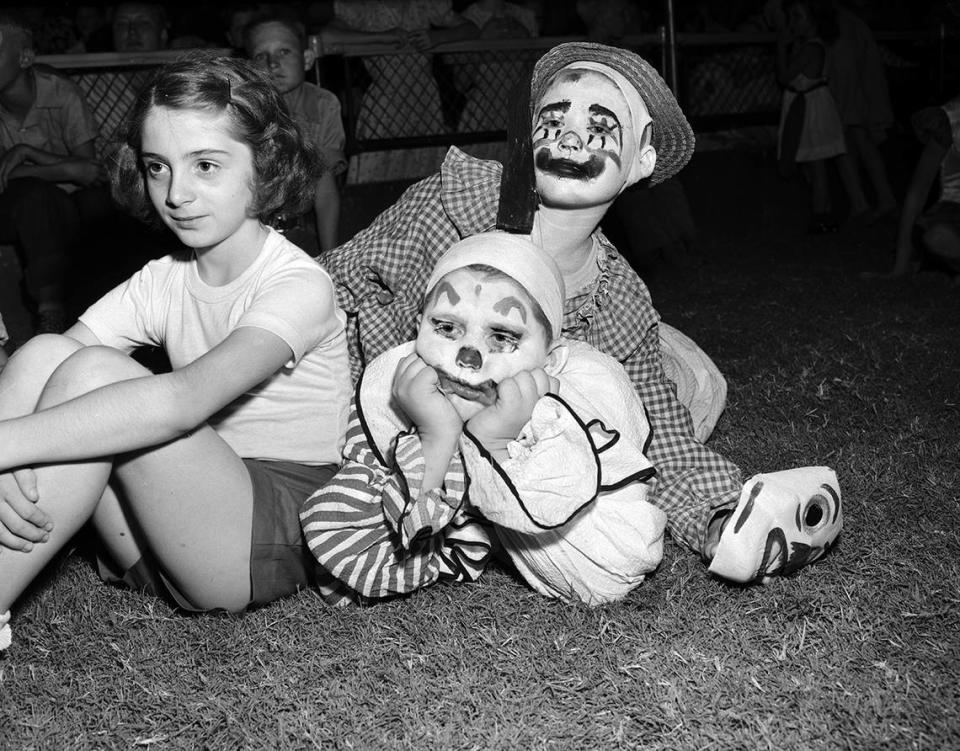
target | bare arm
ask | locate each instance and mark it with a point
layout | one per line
(80, 167)
(147, 411)
(425, 39)
(921, 181)
(336, 34)
(326, 206)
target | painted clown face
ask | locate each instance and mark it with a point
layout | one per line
(584, 140)
(476, 329)
(783, 521)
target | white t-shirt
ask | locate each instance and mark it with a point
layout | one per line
(298, 414)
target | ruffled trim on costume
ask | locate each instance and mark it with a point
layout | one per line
(582, 307)
(602, 316)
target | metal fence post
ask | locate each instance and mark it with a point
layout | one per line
(941, 54)
(670, 68)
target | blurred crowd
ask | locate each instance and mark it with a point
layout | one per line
(63, 28)
(832, 68)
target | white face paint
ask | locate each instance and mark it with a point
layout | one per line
(584, 142)
(475, 331)
(784, 520)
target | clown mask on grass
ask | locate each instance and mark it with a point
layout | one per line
(493, 308)
(591, 137)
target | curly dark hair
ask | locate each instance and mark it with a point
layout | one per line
(286, 166)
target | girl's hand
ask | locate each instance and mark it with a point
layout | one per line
(416, 389)
(22, 523)
(495, 426)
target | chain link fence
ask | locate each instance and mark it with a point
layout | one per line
(401, 106)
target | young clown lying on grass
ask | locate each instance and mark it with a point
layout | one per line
(489, 428)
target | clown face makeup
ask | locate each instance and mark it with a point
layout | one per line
(783, 521)
(476, 330)
(585, 140)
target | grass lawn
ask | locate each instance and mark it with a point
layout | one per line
(860, 650)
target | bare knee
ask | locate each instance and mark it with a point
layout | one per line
(29, 368)
(43, 353)
(89, 368)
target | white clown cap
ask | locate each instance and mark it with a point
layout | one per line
(517, 257)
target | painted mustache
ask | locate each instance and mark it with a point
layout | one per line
(485, 393)
(588, 170)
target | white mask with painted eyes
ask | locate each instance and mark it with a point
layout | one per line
(475, 331)
(586, 140)
(783, 521)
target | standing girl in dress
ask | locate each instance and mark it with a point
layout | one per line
(193, 478)
(811, 131)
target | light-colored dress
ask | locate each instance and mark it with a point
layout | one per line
(821, 136)
(403, 99)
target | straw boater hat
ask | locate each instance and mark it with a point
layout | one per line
(672, 137)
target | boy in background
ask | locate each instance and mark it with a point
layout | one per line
(278, 46)
(139, 27)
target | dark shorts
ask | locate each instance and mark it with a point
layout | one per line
(942, 213)
(280, 562)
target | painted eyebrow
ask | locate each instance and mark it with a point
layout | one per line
(445, 288)
(506, 304)
(562, 106)
(599, 109)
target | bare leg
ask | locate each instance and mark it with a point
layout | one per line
(819, 187)
(191, 497)
(849, 169)
(873, 164)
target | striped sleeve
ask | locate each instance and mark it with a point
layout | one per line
(374, 530)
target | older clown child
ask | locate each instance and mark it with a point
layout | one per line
(600, 119)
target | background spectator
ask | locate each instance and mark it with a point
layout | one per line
(858, 82)
(47, 154)
(139, 27)
(403, 98)
(938, 129)
(94, 32)
(278, 45)
(811, 131)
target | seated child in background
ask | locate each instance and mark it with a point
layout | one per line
(48, 165)
(546, 433)
(278, 45)
(938, 129)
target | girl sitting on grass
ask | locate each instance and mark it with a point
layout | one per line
(193, 479)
